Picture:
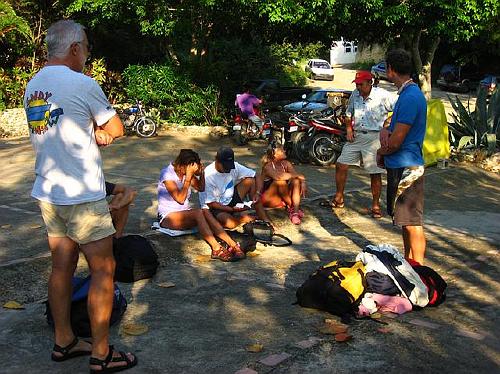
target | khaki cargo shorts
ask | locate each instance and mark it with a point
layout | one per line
(362, 150)
(83, 223)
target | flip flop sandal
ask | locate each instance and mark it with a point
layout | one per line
(65, 351)
(332, 204)
(104, 363)
(376, 213)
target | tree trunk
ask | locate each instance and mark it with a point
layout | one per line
(422, 61)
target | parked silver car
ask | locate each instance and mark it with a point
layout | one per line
(319, 69)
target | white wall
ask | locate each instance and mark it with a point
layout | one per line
(343, 52)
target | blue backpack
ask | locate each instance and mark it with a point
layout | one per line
(80, 321)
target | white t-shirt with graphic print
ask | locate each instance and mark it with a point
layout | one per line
(61, 107)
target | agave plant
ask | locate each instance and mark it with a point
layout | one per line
(477, 128)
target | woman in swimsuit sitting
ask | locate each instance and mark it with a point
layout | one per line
(283, 186)
(175, 212)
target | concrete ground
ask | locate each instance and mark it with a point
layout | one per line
(216, 310)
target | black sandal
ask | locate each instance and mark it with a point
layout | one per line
(65, 351)
(104, 363)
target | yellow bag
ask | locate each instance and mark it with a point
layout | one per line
(351, 277)
(436, 143)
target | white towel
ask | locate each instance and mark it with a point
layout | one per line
(170, 232)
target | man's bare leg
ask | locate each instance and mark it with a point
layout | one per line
(230, 221)
(340, 182)
(247, 186)
(376, 186)
(99, 255)
(414, 243)
(64, 260)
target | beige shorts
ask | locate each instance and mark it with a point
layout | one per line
(83, 223)
(362, 150)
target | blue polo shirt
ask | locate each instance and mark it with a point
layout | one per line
(410, 109)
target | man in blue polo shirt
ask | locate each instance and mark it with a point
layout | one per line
(401, 154)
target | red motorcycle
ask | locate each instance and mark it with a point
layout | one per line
(326, 136)
(245, 130)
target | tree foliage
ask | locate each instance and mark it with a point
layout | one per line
(11, 22)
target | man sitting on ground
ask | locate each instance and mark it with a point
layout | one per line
(227, 183)
(122, 197)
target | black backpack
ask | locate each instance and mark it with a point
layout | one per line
(336, 288)
(135, 258)
(80, 321)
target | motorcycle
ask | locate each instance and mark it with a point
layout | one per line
(245, 130)
(295, 144)
(326, 136)
(135, 120)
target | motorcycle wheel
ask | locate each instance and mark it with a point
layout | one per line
(239, 135)
(145, 127)
(299, 147)
(323, 150)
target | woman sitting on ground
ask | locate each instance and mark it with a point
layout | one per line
(283, 186)
(174, 211)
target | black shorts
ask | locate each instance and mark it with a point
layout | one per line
(405, 196)
(110, 187)
(234, 200)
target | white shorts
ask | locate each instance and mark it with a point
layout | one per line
(363, 150)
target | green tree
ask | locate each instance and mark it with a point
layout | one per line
(11, 22)
(418, 25)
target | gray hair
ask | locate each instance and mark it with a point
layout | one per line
(61, 35)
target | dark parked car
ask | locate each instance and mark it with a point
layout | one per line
(319, 100)
(456, 78)
(275, 95)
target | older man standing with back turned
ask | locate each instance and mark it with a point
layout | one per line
(367, 111)
(68, 117)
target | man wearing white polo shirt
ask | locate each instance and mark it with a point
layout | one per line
(367, 111)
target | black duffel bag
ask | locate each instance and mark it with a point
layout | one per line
(135, 258)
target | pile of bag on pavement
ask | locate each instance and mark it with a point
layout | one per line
(380, 280)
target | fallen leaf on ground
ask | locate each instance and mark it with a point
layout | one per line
(253, 254)
(202, 258)
(165, 284)
(342, 337)
(134, 329)
(330, 328)
(255, 348)
(338, 326)
(6, 226)
(12, 305)
(35, 226)
(383, 330)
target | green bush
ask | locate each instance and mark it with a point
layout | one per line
(162, 86)
(366, 65)
(110, 81)
(13, 84)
